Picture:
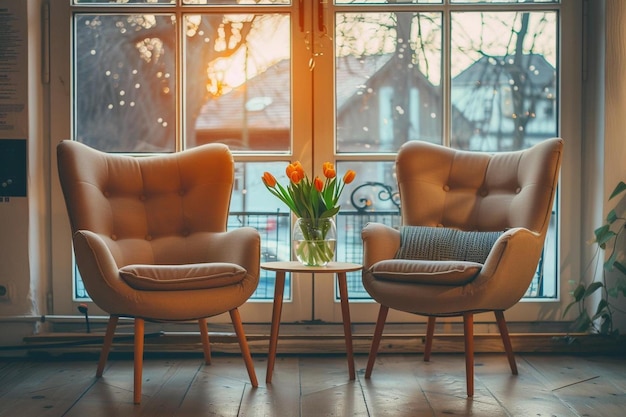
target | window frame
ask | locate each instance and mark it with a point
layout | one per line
(569, 109)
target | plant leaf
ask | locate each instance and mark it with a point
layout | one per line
(620, 267)
(602, 305)
(603, 234)
(619, 188)
(330, 213)
(579, 292)
(611, 217)
(593, 287)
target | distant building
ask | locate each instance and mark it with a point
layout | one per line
(383, 101)
(509, 101)
(255, 115)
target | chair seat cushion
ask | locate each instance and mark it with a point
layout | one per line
(182, 277)
(426, 272)
(445, 244)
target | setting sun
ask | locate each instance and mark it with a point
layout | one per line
(266, 44)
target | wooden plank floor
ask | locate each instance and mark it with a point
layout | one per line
(315, 385)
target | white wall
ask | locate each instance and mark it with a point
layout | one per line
(24, 242)
(614, 153)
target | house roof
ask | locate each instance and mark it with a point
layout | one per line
(263, 100)
(267, 101)
(490, 70)
(354, 73)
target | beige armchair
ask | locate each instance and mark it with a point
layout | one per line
(150, 240)
(474, 226)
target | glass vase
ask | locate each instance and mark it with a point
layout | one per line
(314, 241)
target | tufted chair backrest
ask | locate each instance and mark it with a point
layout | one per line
(148, 210)
(444, 187)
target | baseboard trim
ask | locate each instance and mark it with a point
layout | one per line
(188, 342)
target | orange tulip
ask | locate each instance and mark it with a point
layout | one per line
(295, 177)
(319, 184)
(329, 170)
(316, 198)
(269, 179)
(295, 172)
(290, 168)
(349, 176)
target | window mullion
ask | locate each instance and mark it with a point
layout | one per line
(180, 84)
(446, 79)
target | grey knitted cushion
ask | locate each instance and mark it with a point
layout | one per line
(445, 244)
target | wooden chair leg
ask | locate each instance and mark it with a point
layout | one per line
(243, 344)
(468, 328)
(430, 331)
(378, 332)
(506, 340)
(138, 359)
(204, 336)
(106, 346)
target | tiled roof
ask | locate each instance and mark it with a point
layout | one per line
(538, 71)
(266, 101)
(267, 95)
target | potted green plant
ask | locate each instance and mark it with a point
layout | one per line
(607, 237)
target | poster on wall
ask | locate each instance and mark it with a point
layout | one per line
(13, 69)
(13, 98)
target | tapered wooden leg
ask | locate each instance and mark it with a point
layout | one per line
(506, 340)
(139, 340)
(378, 332)
(279, 289)
(345, 315)
(106, 346)
(243, 345)
(204, 336)
(468, 327)
(430, 331)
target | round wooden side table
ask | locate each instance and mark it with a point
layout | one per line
(281, 268)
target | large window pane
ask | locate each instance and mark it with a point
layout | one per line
(173, 2)
(504, 79)
(253, 205)
(372, 197)
(238, 90)
(124, 66)
(237, 78)
(504, 1)
(388, 80)
(241, 2)
(357, 2)
(124, 2)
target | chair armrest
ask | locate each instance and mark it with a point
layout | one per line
(99, 270)
(510, 266)
(379, 242)
(241, 246)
